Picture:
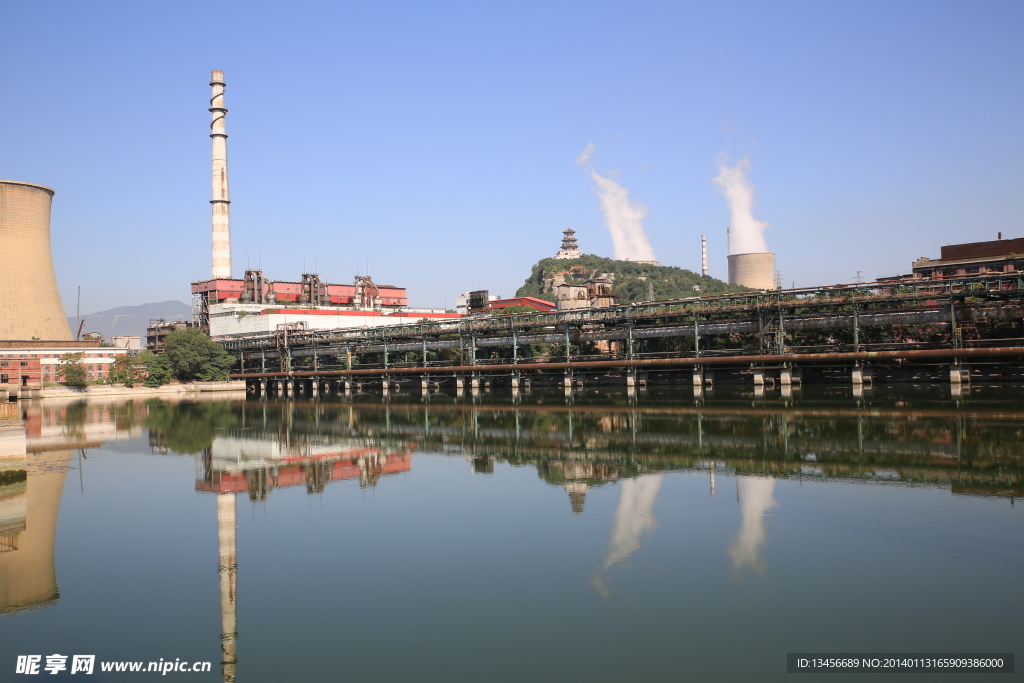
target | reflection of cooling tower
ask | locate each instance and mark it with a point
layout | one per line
(30, 306)
(27, 575)
(756, 271)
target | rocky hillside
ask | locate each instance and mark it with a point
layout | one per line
(631, 281)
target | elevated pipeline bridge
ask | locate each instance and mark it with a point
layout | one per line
(952, 329)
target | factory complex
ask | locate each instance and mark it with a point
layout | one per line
(263, 319)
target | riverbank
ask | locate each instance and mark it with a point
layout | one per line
(123, 391)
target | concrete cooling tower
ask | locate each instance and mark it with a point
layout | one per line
(756, 271)
(30, 306)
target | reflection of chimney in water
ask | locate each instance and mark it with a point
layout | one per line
(227, 567)
(577, 491)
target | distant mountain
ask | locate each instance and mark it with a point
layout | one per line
(131, 321)
(630, 281)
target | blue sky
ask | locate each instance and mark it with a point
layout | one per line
(434, 143)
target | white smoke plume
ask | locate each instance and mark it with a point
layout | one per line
(746, 233)
(623, 218)
(584, 158)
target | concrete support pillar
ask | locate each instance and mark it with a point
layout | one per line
(385, 385)
(631, 378)
(861, 375)
(567, 380)
(348, 386)
(788, 376)
(314, 386)
(460, 382)
(698, 377)
(958, 374)
(759, 378)
(515, 382)
(475, 383)
(424, 383)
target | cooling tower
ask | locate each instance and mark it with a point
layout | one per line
(30, 306)
(756, 271)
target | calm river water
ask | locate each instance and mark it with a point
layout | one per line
(596, 536)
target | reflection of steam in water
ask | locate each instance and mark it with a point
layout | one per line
(633, 519)
(756, 497)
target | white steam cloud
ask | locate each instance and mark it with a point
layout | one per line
(623, 218)
(584, 158)
(746, 233)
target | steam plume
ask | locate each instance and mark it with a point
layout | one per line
(623, 218)
(746, 233)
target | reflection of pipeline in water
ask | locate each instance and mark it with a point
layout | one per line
(30, 491)
(756, 497)
(227, 567)
(633, 519)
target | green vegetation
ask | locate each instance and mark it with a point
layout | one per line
(158, 369)
(187, 427)
(194, 356)
(127, 370)
(632, 281)
(73, 370)
(514, 310)
(189, 355)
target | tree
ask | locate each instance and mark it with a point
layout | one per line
(158, 369)
(193, 355)
(514, 310)
(127, 370)
(73, 370)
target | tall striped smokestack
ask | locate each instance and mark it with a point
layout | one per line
(704, 255)
(220, 201)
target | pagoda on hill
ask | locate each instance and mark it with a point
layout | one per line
(570, 249)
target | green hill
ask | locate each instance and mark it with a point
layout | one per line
(630, 281)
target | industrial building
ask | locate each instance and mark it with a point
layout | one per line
(159, 328)
(596, 293)
(972, 258)
(255, 305)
